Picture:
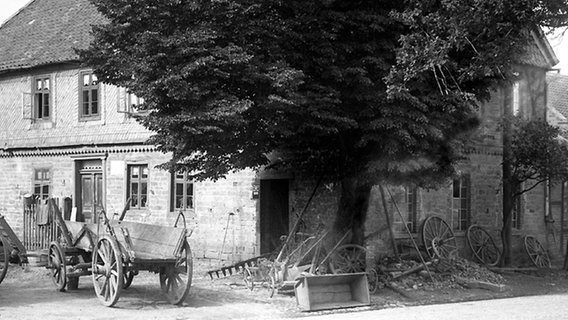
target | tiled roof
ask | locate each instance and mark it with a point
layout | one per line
(118, 133)
(539, 53)
(46, 32)
(558, 92)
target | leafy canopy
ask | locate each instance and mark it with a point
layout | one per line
(538, 153)
(361, 89)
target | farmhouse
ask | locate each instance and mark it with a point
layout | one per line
(66, 135)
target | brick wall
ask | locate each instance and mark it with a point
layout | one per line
(208, 221)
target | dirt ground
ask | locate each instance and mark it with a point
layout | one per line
(27, 293)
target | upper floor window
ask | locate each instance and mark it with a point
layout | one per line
(461, 198)
(137, 185)
(89, 96)
(516, 99)
(181, 196)
(41, 97)
(129, 102)
(42, 183)
(408, 211)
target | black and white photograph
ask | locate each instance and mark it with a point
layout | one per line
(284, 159)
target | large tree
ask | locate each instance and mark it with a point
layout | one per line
(356, 92)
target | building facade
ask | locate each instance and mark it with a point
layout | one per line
(66, 135)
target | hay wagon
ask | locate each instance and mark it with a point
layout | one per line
(112, 252)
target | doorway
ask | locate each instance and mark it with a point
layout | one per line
(273, 213)
(90, 190)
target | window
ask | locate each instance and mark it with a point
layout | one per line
(461, 203)
(129, 102)
(516, 99)
(41, 95)
(42, 182)
(181, 192)
(89, 96)
(138, 186)
(408, 210)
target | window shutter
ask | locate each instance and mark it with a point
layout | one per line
(122, 101)
(27, 106)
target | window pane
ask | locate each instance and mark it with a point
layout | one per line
(39, 85)
(46, 84)
(38, 103)
(144, 188)
(94, 108)
(143, 201)
(37, 189)
(189, 202)
(134, 187)
(45, 189)
(145, 172)
(134, 201)
(189, 189)
(179, 189)
(86, 80)
(178, 201)
(456, 188)
(135, 172)
(46, 105)
(94, 80)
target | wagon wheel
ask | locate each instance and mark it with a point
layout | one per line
(483, 246)
(107, 271)
(248, 277)
(537, 253)
(175, 280)
(348, 258)
(438, 238)
(4, 257)
(56, 264)
(128, 277)
(373, 280)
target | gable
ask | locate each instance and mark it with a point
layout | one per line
(46, 32)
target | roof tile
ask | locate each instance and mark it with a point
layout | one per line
(45, 32)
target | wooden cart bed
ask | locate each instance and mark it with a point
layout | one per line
(139, 242)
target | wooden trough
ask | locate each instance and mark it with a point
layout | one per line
(332, 291)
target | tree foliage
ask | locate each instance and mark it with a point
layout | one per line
(539, 153)
(356, 91)
(345, 88)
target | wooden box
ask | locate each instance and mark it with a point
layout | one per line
(332, 291)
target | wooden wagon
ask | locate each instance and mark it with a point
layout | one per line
(112, 252)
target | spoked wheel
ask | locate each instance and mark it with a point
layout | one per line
(483, 246)
(107, 271)
(373, 280)
(57, 266)
(128, 277)
(348, 258)
(175, 280)
(4, 257)
(248, 277)
(438, 238)
(537, 253)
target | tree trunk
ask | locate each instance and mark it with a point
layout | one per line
(508, 187)
(352, 209)
(508, 203)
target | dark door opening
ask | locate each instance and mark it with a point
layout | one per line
(273, 213)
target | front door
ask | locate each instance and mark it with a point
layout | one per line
(273, 213)
(89, 190)
(91, 195)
